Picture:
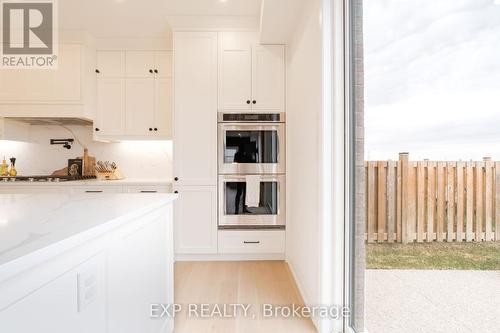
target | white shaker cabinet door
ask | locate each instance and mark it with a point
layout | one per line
(139, 64)
(110, 107)
(195, 215)
(195, 108)
(139, 106)
(163, 108)
(235, 71)
(110, 64)
(268, 78)
(163, 64)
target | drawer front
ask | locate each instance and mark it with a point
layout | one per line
(251, 241)
(147, 189)
(98, 189)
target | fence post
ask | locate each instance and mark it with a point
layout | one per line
(404, 159)
(497, 201)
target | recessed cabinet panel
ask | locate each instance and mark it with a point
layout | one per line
(196, 220)
(235, 71)
(111, 106)
(111, 64)
(163, 64)
(163, 107)
(140, 106)
(139, 64)
(268, 78)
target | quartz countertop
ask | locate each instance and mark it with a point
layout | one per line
(32, 223)
(95, 182)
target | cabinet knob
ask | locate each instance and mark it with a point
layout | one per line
(156, 71)
(176, 179)
(97, 130)
(97, 71)
(248, 102)
(254, 102)
(151, 71)
(150, 129)
(176, 192)
(156, 129)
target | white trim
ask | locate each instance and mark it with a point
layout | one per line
(229, 257)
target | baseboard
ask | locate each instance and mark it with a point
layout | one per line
(303, 295)
(229, 257)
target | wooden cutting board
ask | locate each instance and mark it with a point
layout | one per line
(88, 163)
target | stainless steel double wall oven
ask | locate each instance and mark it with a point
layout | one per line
(251, 145)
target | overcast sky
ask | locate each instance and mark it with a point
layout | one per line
(432, 78)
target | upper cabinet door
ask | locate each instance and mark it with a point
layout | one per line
(110, 107)
(163, 64)
(235, 71)
(195, 108)
(140, 64)
(139, 106)
(111, 64)
(268, 78)
(163, 108)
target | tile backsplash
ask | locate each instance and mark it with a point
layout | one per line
(136, 159)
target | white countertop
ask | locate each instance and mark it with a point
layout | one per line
(95, 182)
(30, 223)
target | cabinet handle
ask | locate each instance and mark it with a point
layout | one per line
(156, 71)
(176, 179)
(151, 71)
(149, 191)
(97, 129)
(97, 71)
(254, 102)
(248, 102)
(247, 242)
(93, 191)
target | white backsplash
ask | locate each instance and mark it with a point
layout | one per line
(136, 159)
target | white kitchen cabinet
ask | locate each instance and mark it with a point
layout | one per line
(139, 64)
(140, 106)
(251, 76)
(163, 107)
(72, 302)
(110, 64)
(268, 78)
(195, 216)
(235, 70)
(66, 91)
(143, 109)
(251, 241)
(110, 107)
(163, 64)
(195, 109)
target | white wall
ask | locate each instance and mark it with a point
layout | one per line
(137, 159)
(304, 102)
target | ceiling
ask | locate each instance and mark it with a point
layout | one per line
(144, 18)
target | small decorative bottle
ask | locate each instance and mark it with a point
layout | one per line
(13, 171)
(4, 168)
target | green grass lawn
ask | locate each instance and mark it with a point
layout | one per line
(471, 256)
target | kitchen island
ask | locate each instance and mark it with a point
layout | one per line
(86, 262)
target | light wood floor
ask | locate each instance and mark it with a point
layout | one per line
(248, 282)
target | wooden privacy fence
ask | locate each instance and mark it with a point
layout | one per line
(428, 201)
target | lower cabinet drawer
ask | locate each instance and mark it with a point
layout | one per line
(251, 241)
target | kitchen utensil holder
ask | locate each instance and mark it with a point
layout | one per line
(109, 175)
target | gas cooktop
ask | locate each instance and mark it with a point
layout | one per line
(45, 179)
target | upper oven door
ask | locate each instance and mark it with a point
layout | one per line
(251, 148)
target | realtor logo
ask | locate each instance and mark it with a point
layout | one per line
(29, 32)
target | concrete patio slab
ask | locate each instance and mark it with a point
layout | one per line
(430, 301)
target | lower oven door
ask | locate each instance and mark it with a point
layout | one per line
(233, 209)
